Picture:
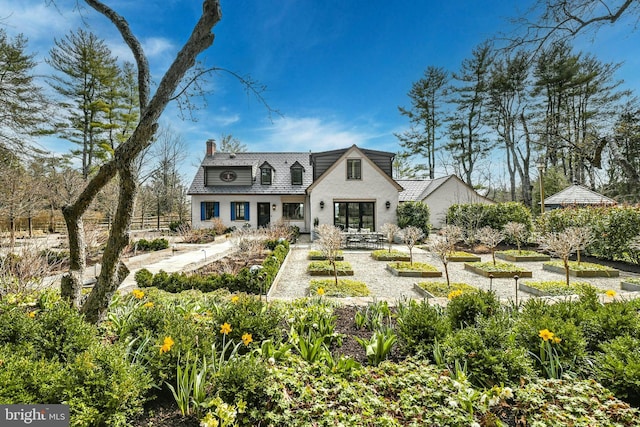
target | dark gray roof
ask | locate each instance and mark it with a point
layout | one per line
(578, 195)
(418, 189)
(280, 162)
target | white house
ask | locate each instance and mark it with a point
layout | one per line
(439, 194)
(350, 188)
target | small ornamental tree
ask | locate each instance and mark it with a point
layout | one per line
(444, 244)
(490, 237)
(516, 231)
(582, 237)
(389, 230)
(411, 235)
(329, 240)
(561, 245)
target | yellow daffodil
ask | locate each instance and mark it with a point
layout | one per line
(225, 328)
(320, 291)
(167, 344)
(246, 338)
(611, 293)
(556, 340)
(148, 304)
(454, 294)
(32, 314)
(235, 299)
(138, 293)
(545, 334)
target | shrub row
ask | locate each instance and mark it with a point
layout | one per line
(244, 281)
(478, 215)
(614, 229)
(153, 245)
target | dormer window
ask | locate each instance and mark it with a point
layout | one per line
(296, 174)
(354, 169)
(266, 174)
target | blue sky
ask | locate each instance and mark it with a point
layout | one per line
(336, 69)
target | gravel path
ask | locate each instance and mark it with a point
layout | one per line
(293, 281)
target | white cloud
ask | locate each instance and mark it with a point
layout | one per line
(310, 133)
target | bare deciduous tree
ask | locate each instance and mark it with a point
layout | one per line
(582, 237)
(444, 245)
(491, 237)
(561, 245)
(389, 230)
(411, 235)
(329, 240)
(517, 231)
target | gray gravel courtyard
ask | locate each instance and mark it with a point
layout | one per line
(293, 281)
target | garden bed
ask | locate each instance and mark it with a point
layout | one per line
(318, 256)
(554, 288)
(440, 289)
(461, 256)
(323, 268)
(522, 256)
(346, 288)
(417, 269)
(394, 255)
(499, 270)
(584, 269)
(632, 285)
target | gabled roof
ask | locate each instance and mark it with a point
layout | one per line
(281, 181)
(578, 195)
(348, 152)
(417, 190)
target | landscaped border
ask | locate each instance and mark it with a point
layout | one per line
(417, 269)
(554, 288)
(462, 256)
(583, 271)
(522, 256)
(632, 285)
(463, 287)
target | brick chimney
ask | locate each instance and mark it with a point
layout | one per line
(211, 147)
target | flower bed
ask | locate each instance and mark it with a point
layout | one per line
(394, 255)
(323, 268)
(499, 270)
(554, 288)
(319, 256)
(440, 289)
(346, 288)
(584, 269)
(462, 256)
(522, 256)
(417, 269)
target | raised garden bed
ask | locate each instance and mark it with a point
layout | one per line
(417, 269)
(440, 289)
(554, 288)
(394, 255)
(584, 269)
(461, 256)
(632, 285)
(323, 268)
(318, 256)
(522, 256)
(346, 288)
(499, 270)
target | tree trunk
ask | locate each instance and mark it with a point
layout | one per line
(71, 284)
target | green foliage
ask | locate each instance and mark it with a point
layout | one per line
(614, 227)
(376, 316)
(243, 379)
(176, 226)
(442, 289)
(419, 325)
(617, 367)
(478, 215)
(606, 322)
(489, 352)
(468, 308)
(143, 278)
(379, 346)
(190, 390)
(414, 214)
(153, 245)
(345, 288)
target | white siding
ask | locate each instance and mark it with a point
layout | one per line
(449, 193)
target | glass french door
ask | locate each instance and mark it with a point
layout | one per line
(354, 215)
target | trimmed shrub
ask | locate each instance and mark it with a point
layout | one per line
(466, 309)
(414, 214)
(473, 216)
(618, 367)
(419, 325)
